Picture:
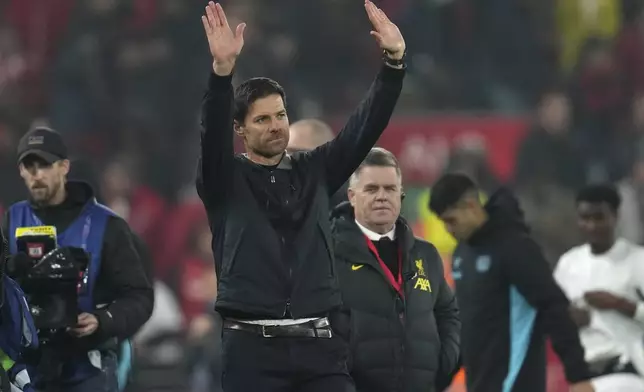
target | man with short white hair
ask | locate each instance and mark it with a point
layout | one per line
(404, 319)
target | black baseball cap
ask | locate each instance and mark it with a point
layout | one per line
(45, 143)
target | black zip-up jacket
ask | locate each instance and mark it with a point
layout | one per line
(509, 303)
(270, 225)
(406, 344)
(122, 282)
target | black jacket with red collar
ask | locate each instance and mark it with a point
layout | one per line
(407, 342)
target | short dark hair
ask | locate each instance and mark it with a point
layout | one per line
(380, 157)
(449, 190)
(600, 193)
(250, 91)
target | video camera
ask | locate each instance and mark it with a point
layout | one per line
(51, 277)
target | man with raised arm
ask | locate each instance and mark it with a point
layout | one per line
(268, 211)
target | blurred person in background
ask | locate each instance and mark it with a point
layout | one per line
(306, 135)
(176, 238)
(580, 20)
(141, 207)
(393, 284)
(197, 292)
(155, 356)
(599, 101)
(633, 139)
(629, 52)
(551, 137)
(197, 279)
(84, 90)
(545, 187)
(205, 353)
(119, 298)
(159, 351)
(546, 207)
(630, 222)
(12, 185)
(509, 302)
(604, 281)
(268, 211)
(309, 134)
(469, 157)
(13, 66)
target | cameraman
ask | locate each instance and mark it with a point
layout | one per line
(119, 297)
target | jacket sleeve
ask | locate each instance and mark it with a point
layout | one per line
(449, 329)
(345, 153)
(529, 272)
(132, 292)
(216, 162)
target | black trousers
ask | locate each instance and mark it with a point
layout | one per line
(258, 364)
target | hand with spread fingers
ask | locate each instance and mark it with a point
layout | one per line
(225, 46)
(385, 32)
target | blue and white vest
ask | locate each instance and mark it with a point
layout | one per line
(87, 232)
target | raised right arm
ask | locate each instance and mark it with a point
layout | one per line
(216, 162)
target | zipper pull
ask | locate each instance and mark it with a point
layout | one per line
(272, 179)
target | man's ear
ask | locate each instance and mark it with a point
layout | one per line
(351, 196)
(66, 165)
(238, 128)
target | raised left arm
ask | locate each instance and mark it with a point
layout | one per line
(341, 156)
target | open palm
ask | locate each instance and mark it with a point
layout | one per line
(385, 31)
(224, 45)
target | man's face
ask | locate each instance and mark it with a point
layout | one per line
(376, 196)
(597, 222)
(461, 221)
(555, 113)
(43, 180)
(265, 128)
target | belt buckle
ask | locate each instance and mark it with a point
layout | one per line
(324, 333)
(322, 323)
(265, 334)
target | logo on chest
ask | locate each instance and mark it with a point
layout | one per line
(422, 283)
(483, 263)
(456, 268)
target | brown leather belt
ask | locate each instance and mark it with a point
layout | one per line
(320, 328)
